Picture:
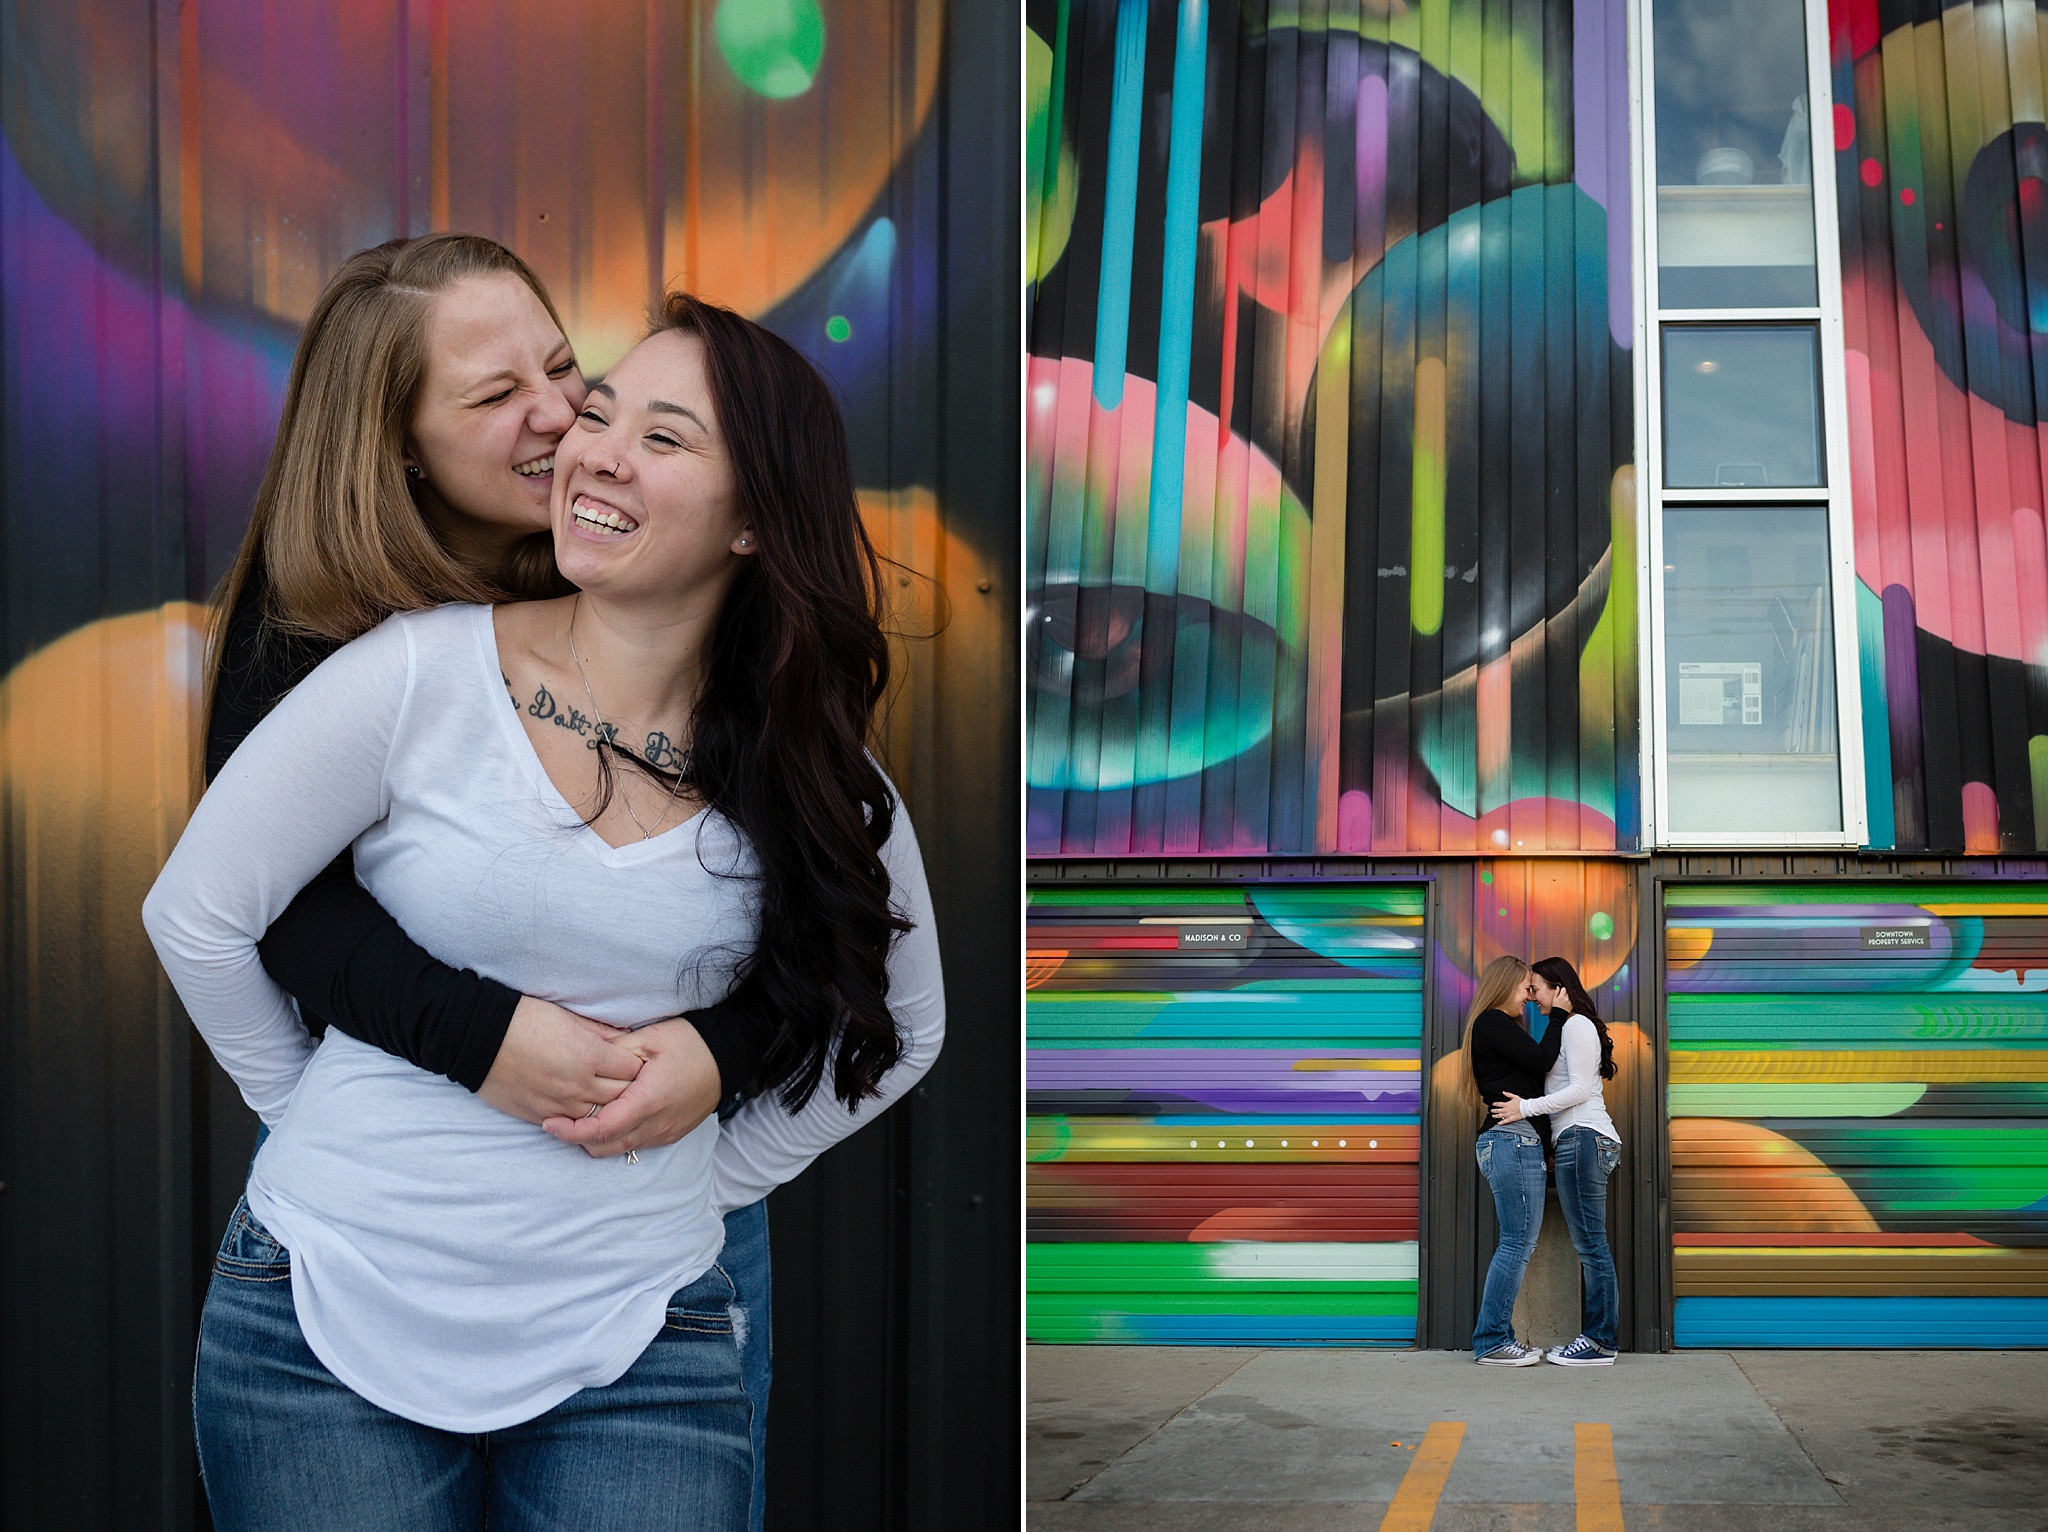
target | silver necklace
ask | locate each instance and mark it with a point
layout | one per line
(605, 733)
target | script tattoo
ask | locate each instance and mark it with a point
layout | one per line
(547, 710)
(662, 753)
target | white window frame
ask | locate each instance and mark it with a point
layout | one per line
(1652, 497)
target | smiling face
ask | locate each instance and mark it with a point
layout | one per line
(648, 503)
(501, 386)
(1546, 998)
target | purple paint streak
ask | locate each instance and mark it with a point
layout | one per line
(1371, 213)
(1600, 157)
(1902, 700)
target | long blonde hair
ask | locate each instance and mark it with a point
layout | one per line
(340, 541)
(1499, 982)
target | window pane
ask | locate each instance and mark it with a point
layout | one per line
(1749, 671)
(1734, 155)
(1741, 406)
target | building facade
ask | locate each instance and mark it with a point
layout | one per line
(1562, 478)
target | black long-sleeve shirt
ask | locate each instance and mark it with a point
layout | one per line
(1506, 1060)
(339, 953)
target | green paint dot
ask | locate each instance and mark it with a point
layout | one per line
(772, 45)
(1503, 913)
(837, 328)
(1486, 877)
(1601, 926)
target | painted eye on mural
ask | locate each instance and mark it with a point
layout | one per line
(1087, 641)
(1097, 623)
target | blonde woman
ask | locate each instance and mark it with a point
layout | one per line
(1503, 1060)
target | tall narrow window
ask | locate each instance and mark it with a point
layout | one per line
(1741, 338)
(1734, 155)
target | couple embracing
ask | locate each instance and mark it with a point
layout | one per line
(502, 1259)
(1543, 1099)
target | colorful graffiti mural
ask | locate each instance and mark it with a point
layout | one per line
(1859, 1115)
(1941, 164)
(1224, 1091)
(1329, 428)
(1223, 1136)
(175, 187)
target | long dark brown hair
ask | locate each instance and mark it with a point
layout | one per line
(780, 734)
(1559, 974)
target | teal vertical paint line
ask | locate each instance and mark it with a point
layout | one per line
(1120, 203)
(1877, 736)
(1177, 299)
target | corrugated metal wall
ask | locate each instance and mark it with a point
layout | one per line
(1966, 1179)
(1224, 1097)
(1329, 419)
(1591, 911)
(1859, 1114)
(1591, 914)
(176, 183)
(1941, 164)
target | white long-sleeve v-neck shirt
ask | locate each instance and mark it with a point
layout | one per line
(1572, 1097)
(452, 1264)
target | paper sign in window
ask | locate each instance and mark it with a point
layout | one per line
(1724, 691)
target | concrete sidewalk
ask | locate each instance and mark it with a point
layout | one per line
(1129, 1439)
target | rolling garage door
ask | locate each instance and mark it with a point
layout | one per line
(1223, 1097)
(1859, 1114)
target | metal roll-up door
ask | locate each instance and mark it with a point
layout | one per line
(1859, 1114)
(1224, 1096)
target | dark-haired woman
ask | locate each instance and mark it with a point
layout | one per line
(438, 1318)
(414, 466)
(1586, 1147)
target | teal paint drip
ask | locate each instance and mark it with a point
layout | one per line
(1120, 204)
(1882, 833)
(1177, 299)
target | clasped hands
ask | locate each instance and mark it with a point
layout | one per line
(650, 1086)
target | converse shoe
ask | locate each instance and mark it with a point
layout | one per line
(1580, 1353)
(1513, 1354)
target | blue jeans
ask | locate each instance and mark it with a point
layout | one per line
(1511, 1159)
(283, 1443)
(745, 1259)
(1585, 1160)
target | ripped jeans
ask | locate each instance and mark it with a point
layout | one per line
(1511, 1158)
(284, 1443)
(1585, 1160)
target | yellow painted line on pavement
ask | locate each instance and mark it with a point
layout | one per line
(1594, 1485)
(1414, 1506)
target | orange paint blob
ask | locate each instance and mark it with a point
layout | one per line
(1686, 945)
(1736, 1176)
